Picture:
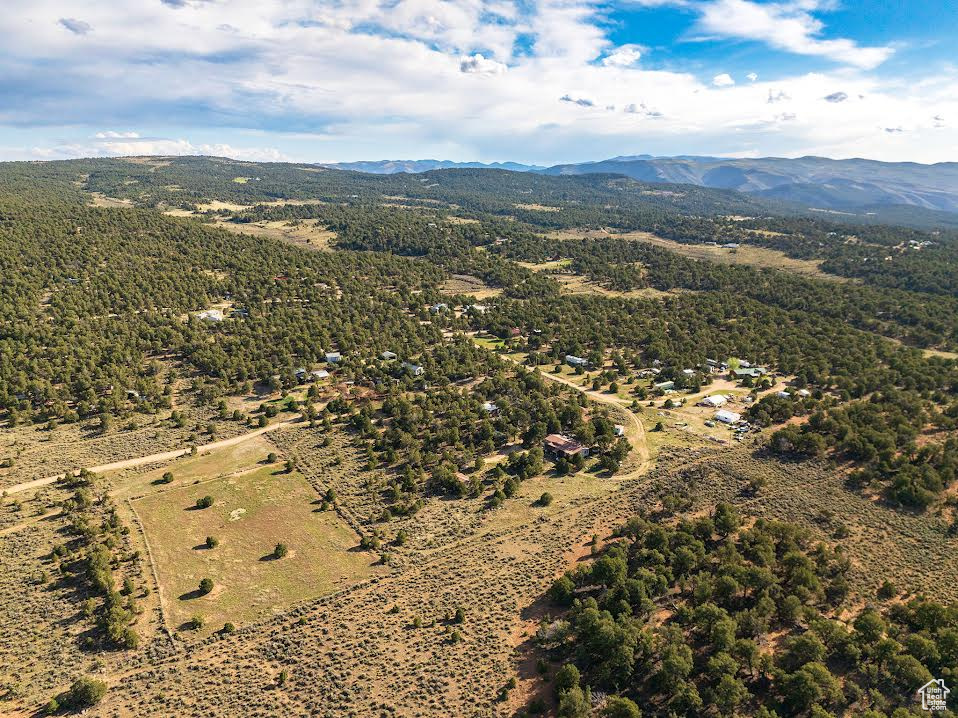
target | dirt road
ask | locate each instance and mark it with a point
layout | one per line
(153, 458)
(634, 431)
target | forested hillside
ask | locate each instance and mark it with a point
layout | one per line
(456, 357)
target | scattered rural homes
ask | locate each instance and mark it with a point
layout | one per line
(664, 385)
(714, 401)
(619, 430)
(210, 315)
(727, 417)
(319, 374)
(490, 408)
(437, 308)
(333, 357)
(414, 369)
(751, 371)
(573, 360)
(387, 355)
(564, 447)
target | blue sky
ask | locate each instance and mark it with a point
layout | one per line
(542, 81)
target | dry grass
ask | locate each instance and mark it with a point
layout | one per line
(538, 207)
(307, 233)
(252, 513)
(473, 286)
(745, 254)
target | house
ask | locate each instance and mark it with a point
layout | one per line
(211, 315)
(477, 308)
(727, 417)
(564, 447)
(319, 374)
(689, 372)
(436, 308)
(755, 372)
(414, 369)
(333, 357)
(573, 360)
(387, 355)
(804, 393)
(730, 245)
(664, 385)
(783, 395)
(619, 430)
(490, 408)
(715, 401)
(300, 373)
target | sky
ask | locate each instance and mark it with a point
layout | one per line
(534, 81)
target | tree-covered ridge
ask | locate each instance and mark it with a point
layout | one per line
(710, 616)
(93, 293)
(879, 254)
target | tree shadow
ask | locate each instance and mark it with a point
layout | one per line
(190, 595)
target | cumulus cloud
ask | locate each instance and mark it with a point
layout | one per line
(641, 109)
(77, 27)
(787, 25)
(751, 77)
(723, 80)
(836, 97)
(110, 143)
(479, 65)
(308, 80)
(623, 56)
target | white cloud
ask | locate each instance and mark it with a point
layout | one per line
(623, 56)
(327, 81)
(109, 143)
(751, 77)
(479, 65)
(723, 80)
(787, 25)
(110, 135)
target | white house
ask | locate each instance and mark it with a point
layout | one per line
(573, 360)
(490, 408)
(388, 355)
(715, 401)
(727, 417)
(414, 369)
(619, 430)
(211, 315)
(319, 374)
(333, 357)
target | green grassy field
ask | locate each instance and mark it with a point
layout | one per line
(252, 512)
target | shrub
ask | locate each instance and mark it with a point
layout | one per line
(280, 551)
(206, 585)
(204, 502)
(84, 693)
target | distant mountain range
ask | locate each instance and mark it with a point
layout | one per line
(388, 167)
(856, 185)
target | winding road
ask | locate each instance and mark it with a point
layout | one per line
(153, 458)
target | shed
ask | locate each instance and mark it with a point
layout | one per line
(727, 417)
